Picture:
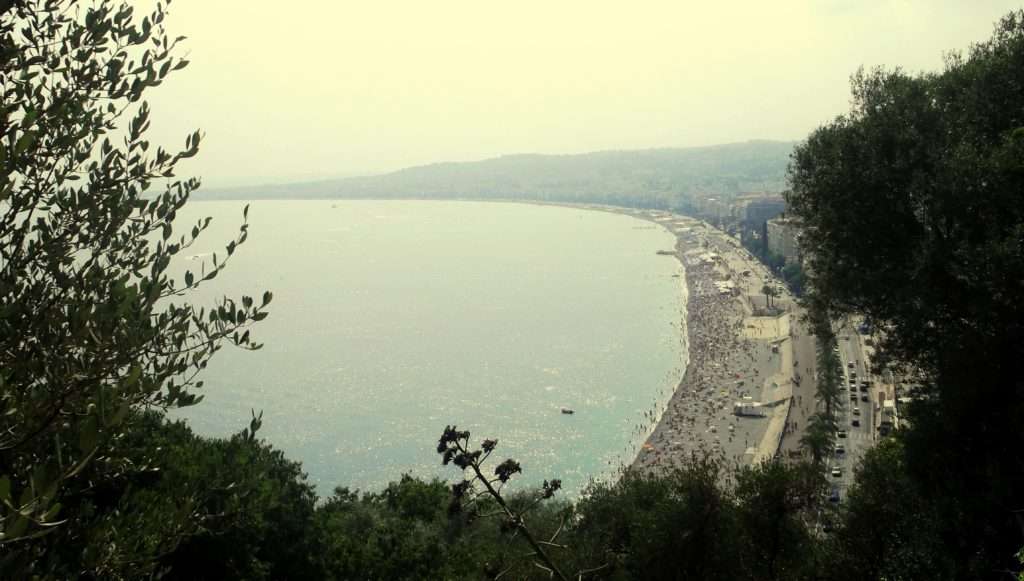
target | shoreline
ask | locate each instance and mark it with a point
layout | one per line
(736, 353)
(733, 356)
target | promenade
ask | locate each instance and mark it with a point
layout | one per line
(741, 352)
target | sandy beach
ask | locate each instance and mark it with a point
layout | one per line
(739, 355)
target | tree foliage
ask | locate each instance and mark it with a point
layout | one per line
(93, 326)
(704, 521)
(913, 216)
(204, 508)
(887, 529)
(480, 492)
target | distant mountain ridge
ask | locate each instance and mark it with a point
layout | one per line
(651, 177)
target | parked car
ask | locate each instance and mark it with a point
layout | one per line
(856, 411)
(837, 472)
(855, 423)
(863, 397)
(841, 434)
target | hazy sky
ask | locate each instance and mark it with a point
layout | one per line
(314, 89)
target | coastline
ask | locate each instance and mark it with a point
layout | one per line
(738, 353)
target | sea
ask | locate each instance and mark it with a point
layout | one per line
(394, 319)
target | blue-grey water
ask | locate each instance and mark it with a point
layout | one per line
(392, 319)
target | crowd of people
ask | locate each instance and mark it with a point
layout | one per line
(725, 367)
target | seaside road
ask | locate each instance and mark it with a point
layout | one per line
(859, 438)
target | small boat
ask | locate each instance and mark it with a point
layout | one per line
(568, 411)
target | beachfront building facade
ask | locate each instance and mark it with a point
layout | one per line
(751, 212)
(783, 238)
(713, 209)
(756, 209)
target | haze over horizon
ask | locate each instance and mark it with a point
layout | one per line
(327, 90)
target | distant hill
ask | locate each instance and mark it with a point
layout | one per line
(650, 177)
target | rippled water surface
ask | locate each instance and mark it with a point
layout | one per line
(392, 319)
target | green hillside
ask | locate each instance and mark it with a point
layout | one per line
(644, 177)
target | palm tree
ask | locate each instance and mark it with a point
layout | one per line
(817, 438)
(770, 292)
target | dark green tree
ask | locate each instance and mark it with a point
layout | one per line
(819, 437)
(777, 505)
(680, 525)
(479, 494)
(888, 529)
(255, 508)
(793, 274)
(913, 215)
(231, 508)
(93, 326)
(403, 532)
(770, 292)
